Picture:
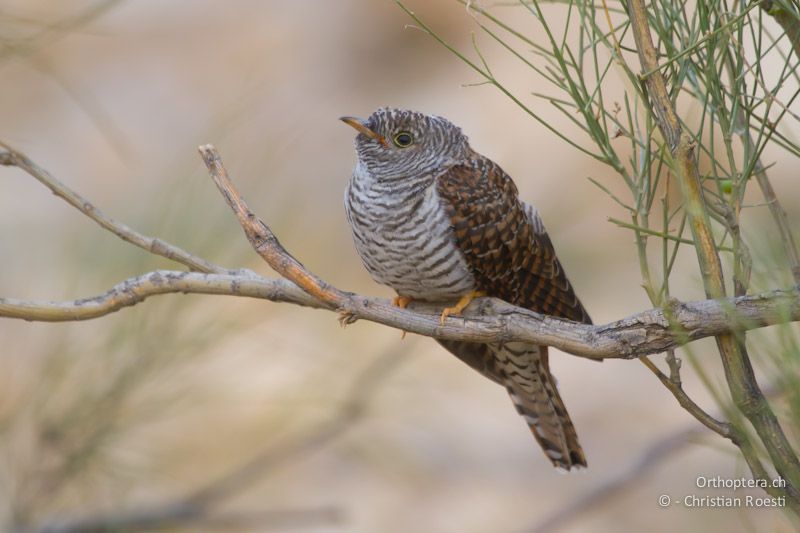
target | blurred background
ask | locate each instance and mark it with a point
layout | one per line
(149, 404)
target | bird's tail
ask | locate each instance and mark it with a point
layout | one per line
(533, 390)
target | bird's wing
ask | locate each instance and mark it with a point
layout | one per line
(504, 241)
(511, 257)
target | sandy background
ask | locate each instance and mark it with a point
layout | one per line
(146, 404)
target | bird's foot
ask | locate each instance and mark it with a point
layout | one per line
(461, 305)
(346, 318)
(402, 302)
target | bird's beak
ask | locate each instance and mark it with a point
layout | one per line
(361, 127)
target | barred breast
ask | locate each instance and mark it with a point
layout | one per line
(405, 238)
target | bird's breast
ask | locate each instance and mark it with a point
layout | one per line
(405, 238)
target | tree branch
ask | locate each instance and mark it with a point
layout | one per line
(137, 289)
(779, 215)
(721, 428)
(786, 15)
(738, 370)
(11, 157)
(265, 242)
(487, 320)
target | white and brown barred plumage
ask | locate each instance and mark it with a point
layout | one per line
(435, 220)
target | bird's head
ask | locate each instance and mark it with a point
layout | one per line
(398, 143)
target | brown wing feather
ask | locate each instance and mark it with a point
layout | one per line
(509, 258)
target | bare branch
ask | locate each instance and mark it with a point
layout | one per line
(11, 157)
(137, 289)
(789, 19)
(264, 241)
(759, 170)
(738, 370)
(487, 320)
(781, 218)
(721, 428)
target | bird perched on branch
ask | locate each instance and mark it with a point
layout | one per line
(436, 221)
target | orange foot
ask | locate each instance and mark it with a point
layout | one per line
(402, 302)
(461, 305)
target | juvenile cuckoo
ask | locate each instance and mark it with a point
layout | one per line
(436, 221)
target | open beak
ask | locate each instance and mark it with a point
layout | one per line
(361, 127)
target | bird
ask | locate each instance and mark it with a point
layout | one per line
(436, 221)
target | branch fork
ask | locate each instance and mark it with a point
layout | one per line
(485, 320)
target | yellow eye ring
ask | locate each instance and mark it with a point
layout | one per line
(403, 139)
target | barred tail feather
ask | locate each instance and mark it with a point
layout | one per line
(533, 390)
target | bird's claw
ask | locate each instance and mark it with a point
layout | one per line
(346, 318)
(460, 306)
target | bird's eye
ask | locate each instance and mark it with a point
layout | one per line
(403, 139)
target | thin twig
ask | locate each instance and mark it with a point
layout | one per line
(738, 370)
(781, 220)
(787, 18)
(11, 157)
(655, 233)
(134, 290)
(776, 209)
(721, 428)
(264, 241)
